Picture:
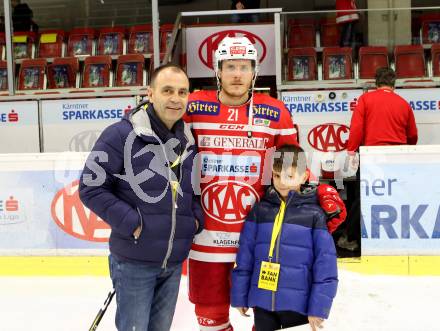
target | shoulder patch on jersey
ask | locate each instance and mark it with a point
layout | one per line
(198, 107)
(267, 112)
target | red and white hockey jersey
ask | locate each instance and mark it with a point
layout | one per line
(234, 167)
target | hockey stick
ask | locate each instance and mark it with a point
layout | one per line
(102, 311)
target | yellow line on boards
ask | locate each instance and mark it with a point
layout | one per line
(98, 265)
(53, 266)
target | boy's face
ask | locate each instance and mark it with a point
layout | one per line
(287, 180)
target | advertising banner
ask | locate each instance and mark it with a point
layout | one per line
(40, 209)
(400, 207)
(205, 40)
(74, 125)
(323, 118)
(19, 131)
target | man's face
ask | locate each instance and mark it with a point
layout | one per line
(169, 95)
(236, 77)
(287, 180)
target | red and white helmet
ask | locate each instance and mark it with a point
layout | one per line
(237, 48)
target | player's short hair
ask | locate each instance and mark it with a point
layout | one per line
(174, 67)
(290, 156)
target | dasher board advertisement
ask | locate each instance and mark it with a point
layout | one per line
(400, 200)
(74, 125)
(40, 209)
(205, 40)
(19, 131)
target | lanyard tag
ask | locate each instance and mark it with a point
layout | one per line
(269, 274)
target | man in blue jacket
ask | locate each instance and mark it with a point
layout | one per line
(138, 179)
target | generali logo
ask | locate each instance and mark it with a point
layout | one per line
(329, 137)
(210, 45)
(75, 219)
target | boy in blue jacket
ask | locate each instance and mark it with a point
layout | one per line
(286, 264)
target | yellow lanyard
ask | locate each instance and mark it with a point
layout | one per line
(175, 184)
(278, 223)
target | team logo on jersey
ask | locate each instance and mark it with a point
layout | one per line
(203, 108)
(228, 201)
(266, 112)
(210, 45)
(231, 165)
(232, 142)
(329, 137)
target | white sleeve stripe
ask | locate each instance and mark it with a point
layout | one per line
(242, 127)
(286, 132)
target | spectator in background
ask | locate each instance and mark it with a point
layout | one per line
(381, 118)
(22, 17)
(245, 4)
(346, 17)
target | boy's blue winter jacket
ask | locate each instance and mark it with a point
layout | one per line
(305, 250)
(126, 182)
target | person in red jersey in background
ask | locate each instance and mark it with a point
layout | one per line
(381, 118)
(235, 158)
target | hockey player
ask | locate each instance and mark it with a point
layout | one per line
(233, 146)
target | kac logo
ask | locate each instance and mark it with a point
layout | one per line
(228, 201)
(75, 219)
(329, 137)
(84, 141)
(210, 45)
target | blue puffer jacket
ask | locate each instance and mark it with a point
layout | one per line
(305, 250)
(130, 186)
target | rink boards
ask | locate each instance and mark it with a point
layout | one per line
(45, 229)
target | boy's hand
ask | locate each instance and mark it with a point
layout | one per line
(315, 322)
(243, 311)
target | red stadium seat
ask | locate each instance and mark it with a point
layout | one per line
(81, 42)
(410, 61)
(3, 76)
(435, 56)
(166, 31)
(111, 41)
(371, 59)
(301, 33)
(330, 33)
(24, 44)
(430, 28)
(62, 73)
(140, 40)
(31, 75)
(302, 64)
(51, 43)
(130, 70)
(97, 71)
(337, 63)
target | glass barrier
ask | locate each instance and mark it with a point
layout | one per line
(323, 49)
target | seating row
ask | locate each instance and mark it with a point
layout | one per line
(84, 41)
(337, 62)
(303, 32)
(64, 73)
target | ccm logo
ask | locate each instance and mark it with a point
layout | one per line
(329, 137)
